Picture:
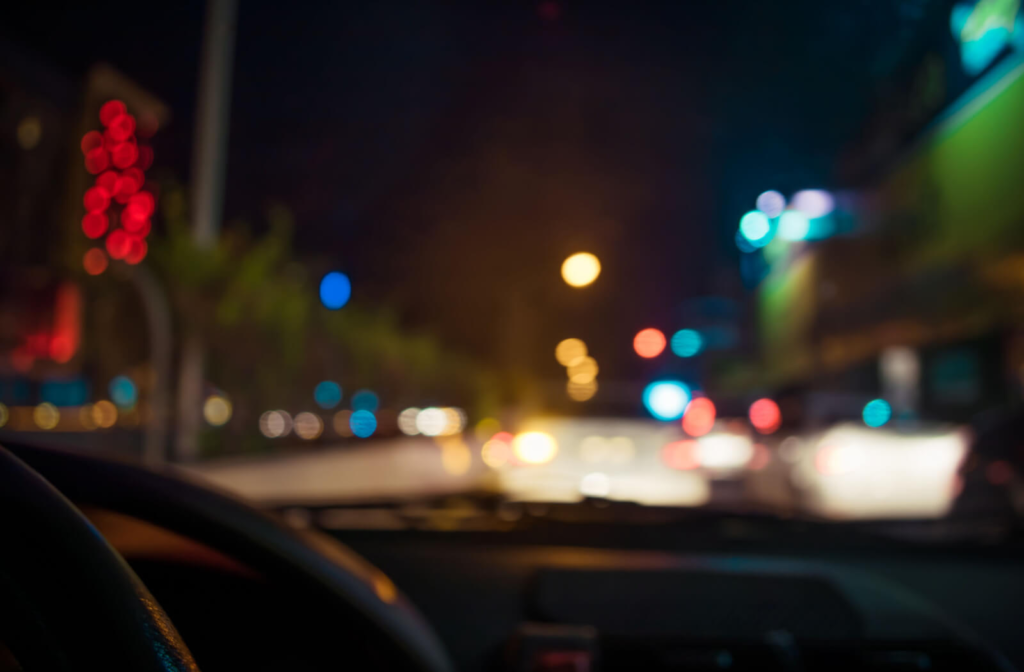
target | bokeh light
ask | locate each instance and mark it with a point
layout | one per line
(771, 203)
(335, 290)
(699, 417)
(341, 423)
(666, 399)
(755, 227)
(496, 453)
(85, 418)
(137, 249)
(765, 416)
(46, 415)
(96, 199)
(454, 421)
(761, 457)
(363, 423)
(649, 343)
(118, 244)
(687, 343)
(583, 371)
(365, 400)
(94, 261)
(486, 428)
(217, 410)
(535, 447)
(111, 110)
(308, 425)
(681, 455)
(275, 424)
(595, 484)
(104, 414)
(94, 224)
(456, 458)
(794, 225)
(4, 415)
(570, 350)
(877, 412)
(327, 394)
(581, 269)
(407, 421)
(29, 132)
(581, 391)
(431, 421)
(123, 391)
(813, 202)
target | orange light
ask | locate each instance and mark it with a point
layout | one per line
(94, 261)
(699, 417)
(765, 416)
(649, 343)
(680, 455)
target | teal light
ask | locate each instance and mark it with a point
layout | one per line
(327, 394)
(123, 392)
(877, 412)
(365, 400)
(362, 423)
(755, 227)
(687, 343)
(794, 225)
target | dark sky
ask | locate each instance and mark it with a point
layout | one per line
(449, 155)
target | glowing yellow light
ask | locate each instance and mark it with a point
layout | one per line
(535, 447)
(46, 415)
(454, 421)
(274, 424)
(4, 415)
(308, 425)
(407, 421)
(583, 371)
(86, 418)
(496, 454)
(384, 587)
(342, 424)
(581, 269)
(455, 456)
(486, 428)
(569, 351)
(581, 391)
(30, 131)
(104, 414)
(217, 410)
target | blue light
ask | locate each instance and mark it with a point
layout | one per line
(327, 394)
(335, 290)
(756, 228)
(687, 342)
(666, 399)
(123, 392)
(877, 412)
(365, 400)
(363, 423)
(983, 30)
(794, 225)
(745, 245)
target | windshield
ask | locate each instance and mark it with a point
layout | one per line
(754, 257)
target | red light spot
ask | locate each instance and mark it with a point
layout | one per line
(761, 457)
(143, 200)
(133, 217)
(699, 418)
(122, 127)
(145, 159)
(106, 181)
(110, 111)
(91, 141)
(144, 229)
(765, 416)
(999, 472)
(124, 188)
(118, 244)
(96, 199)
(137, 250)
(136, 176)
(61, 349)
(549, 11)
(95, 261)
(97, 160)
(95, 224)
(649, 343)
(124, 154)
(680, 455)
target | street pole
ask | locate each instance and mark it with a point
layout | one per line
(209, 156)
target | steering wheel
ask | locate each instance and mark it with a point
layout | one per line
(70, 602)
(312, 564)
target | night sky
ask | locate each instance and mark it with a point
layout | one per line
(449, 155)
